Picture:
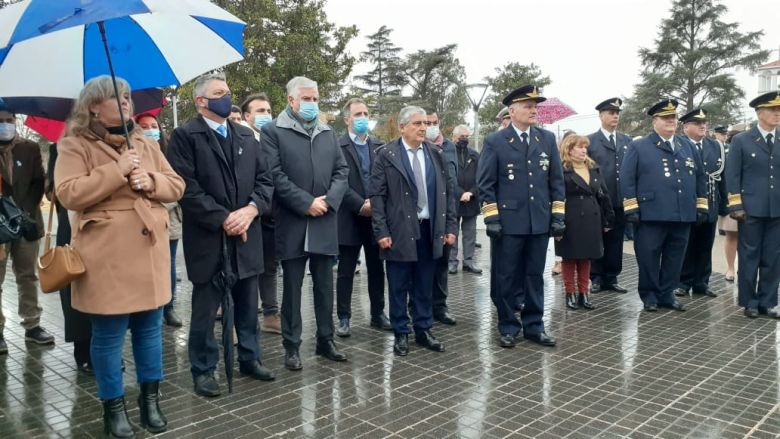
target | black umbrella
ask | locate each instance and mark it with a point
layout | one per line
(60, 108)
(224, 280)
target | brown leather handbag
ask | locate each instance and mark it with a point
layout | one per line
(58, 266)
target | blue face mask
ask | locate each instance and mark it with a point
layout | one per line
(154, 134)
(221, 106)
(261, 119)
(360, 125)
(309, 111)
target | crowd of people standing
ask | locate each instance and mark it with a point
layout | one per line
(246, 192)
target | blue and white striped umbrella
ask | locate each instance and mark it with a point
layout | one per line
(52, 47)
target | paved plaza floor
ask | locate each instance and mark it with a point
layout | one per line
(616, 372)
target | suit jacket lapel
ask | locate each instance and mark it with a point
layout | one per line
(534, 141)
(211, 139)
(605, 141)
(401, 162)
(512, 139)
(579, 181)
(659, 142)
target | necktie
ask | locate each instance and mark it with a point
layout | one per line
(524, 138)
(222, 130)
(422, 193)
(769, 139)
(612, 140)
(698, 146)
(669, 145)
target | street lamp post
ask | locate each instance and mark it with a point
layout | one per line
(472, 92)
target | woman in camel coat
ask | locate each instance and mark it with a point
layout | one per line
(119, 225)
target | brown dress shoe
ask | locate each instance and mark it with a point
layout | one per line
(272, 323)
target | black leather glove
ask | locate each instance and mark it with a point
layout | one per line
(632, 217)
(557, 228)
(493, 229)
(701, 218)
(723, 210)
(739, 215)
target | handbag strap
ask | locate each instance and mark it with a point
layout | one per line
(47, 240)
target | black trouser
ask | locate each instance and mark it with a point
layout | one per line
(697, 266)
(206, 298)
(759, 262)
(410, 284)
(440, 288)
(660, 250)
(605, 270)
(267, 282)
(321, 267)
(345, 276)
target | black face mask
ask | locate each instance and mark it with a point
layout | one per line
(120, 130)
(462, 143)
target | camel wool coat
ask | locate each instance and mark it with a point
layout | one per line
(121, 234)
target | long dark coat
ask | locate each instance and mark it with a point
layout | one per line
(467, 182)
(394, 202)
(356, 194)
(26, 188)
(304, 166)
(214, 189)
(588, 212)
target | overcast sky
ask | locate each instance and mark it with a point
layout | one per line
(587, 47)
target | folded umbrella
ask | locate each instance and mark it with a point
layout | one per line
(224, 281)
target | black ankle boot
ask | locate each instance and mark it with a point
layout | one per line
(115, 422)
(585, 301)
(152, 418)
(571, 301)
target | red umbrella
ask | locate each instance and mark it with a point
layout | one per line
(553, 110)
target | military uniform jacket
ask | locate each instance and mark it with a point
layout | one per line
(518, 186)
(716, 183)
(752, 172)
(609, 160)
(661, 184)
(394, 201)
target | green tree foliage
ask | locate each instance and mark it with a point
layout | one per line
(507, 78)
(283, 39)
(437, 82)
(693, 61)
(383, 83)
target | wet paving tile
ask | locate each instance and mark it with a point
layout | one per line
(616, 372)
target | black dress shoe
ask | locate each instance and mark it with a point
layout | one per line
(506, 341)
(292, 361)
(381, 322)
(680, 292)
(452, 270)
(595, 287)
(617, 288)
(329, 351)
(342, 330)
(584, 300)
(477, 245)
(446, 319)
(541, 338)
(38, 335)
(706, 292)
(427, 340)
(473, 270)
(751, 313)
(85, 368)
(677, 306)
(171, 318)
(571, 301)
(206, 385)
(256, 370)
(651, 307)
(401, 345)
(773, 313)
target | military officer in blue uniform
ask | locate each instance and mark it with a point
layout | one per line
(752, 180)
(607, 148)
(520, 181)
(697, 265)
(664, 192)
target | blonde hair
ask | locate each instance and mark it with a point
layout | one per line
(568, 143)
(95, 91)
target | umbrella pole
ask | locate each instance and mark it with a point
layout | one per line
(102, 27)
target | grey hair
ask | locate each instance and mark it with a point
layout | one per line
(95, 91)
(406, 113)
(460, 128)
(346, 111)
(295, 85)
(202, 83)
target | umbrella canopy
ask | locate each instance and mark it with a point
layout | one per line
(553, 110)
(59, 108)
(51, 48)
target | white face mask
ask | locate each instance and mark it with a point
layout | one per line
(7, 131)
(432, 132)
